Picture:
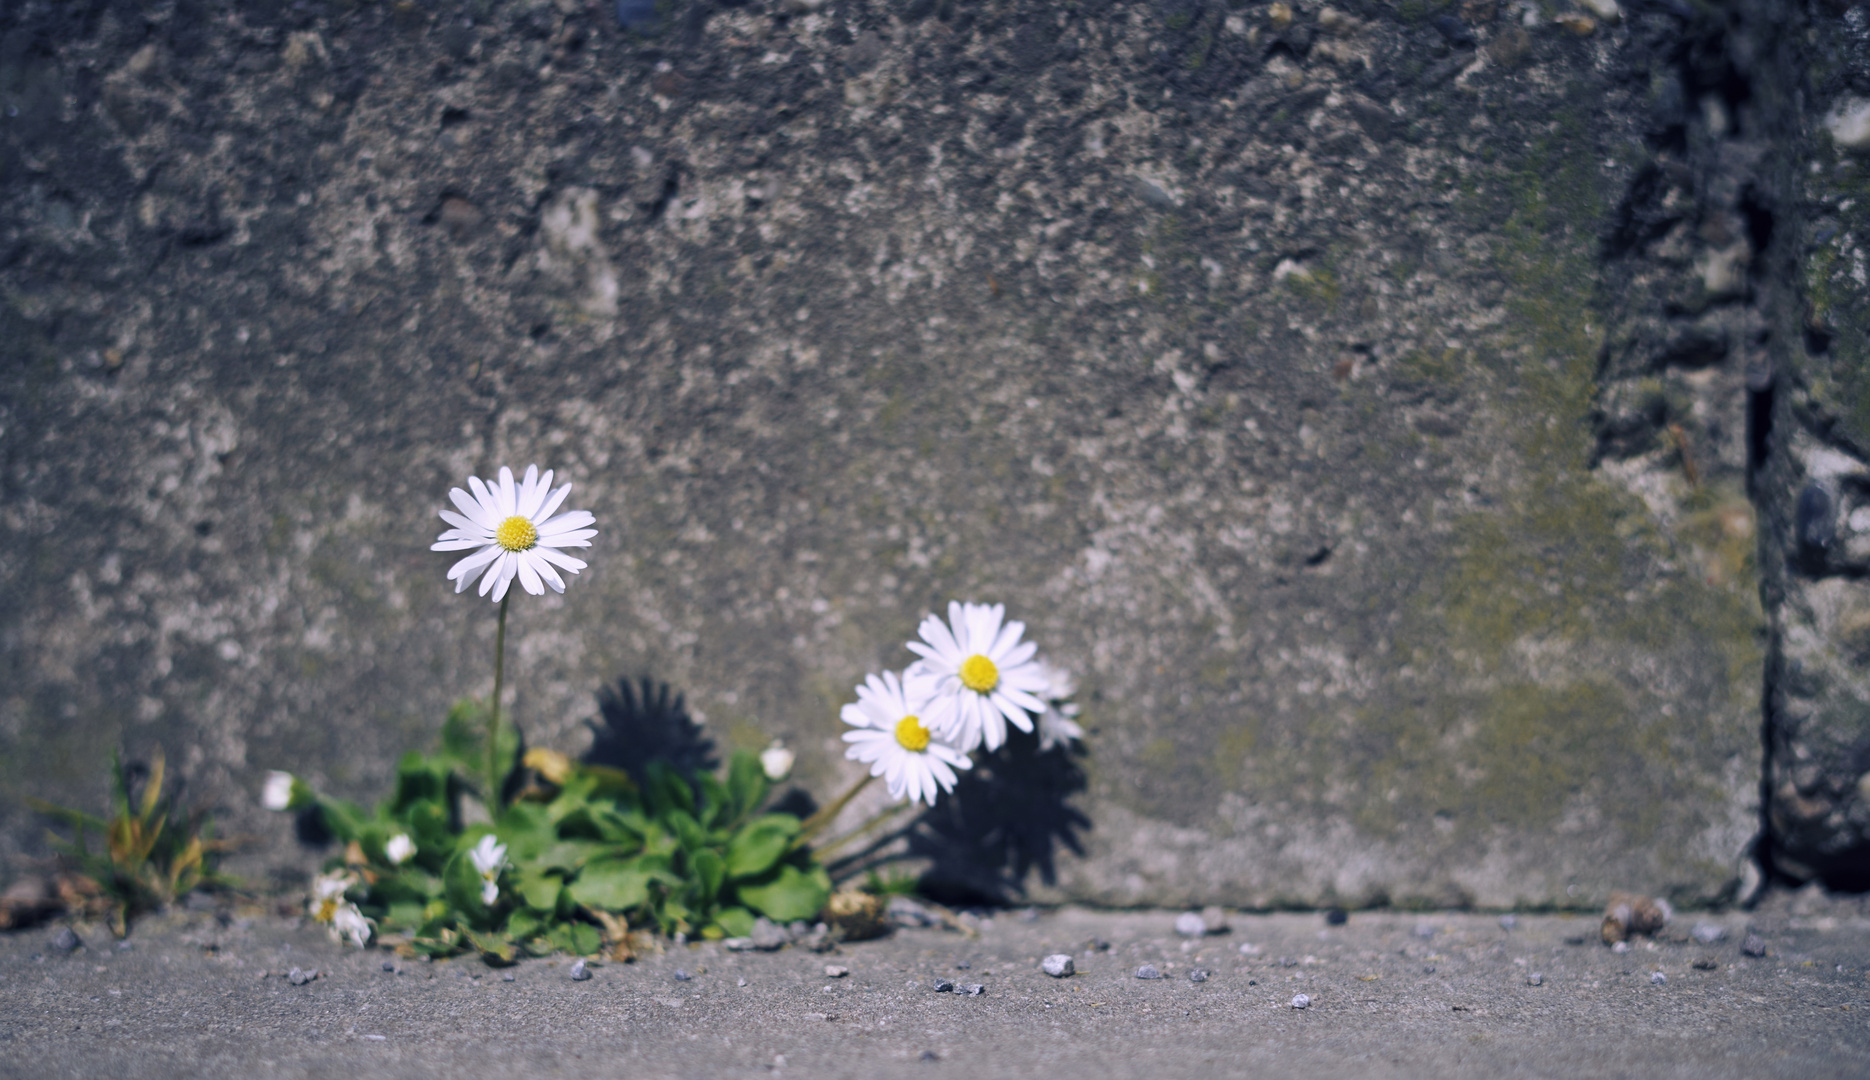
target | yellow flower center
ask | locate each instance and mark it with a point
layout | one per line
(516, 534)
(326, 911)
(979, 674)
(911, 734)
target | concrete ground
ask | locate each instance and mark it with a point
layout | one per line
(1392, 994)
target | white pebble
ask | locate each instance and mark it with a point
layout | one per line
(1301, 1001)
(836, 971)
(1658, 978)
(1190, 924)
(1058, 965)
(1535, 979)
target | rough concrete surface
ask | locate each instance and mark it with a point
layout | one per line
(1351, 396)
(1390, 995)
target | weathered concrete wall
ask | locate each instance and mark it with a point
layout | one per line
(1815, 483)
(1289, 375)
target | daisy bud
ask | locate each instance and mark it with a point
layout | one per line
(776, 761)
(283, 792)
(399, 849)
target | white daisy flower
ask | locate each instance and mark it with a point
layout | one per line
(350, 923)
(328, 895)
(1057, 726)
(892, 738)
(517, 536)
(399, 849)
(984, 675)
(489, 856)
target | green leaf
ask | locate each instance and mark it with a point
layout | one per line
(709, 872)
(579, 939)
(716, 806)
(794, 894)
(496, 948)
(763, 842)
(737, 921)
(611, 886)
(538, 890)
(524, 925)
(667, 790)
(686, 829)
(746, 783)
(567, 855)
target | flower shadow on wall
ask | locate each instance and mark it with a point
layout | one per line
(1007, 817)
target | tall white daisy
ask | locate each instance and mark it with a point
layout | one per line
(517, 536)
(1057, 724)
(984, 675)
(351, 924)
(893, 739)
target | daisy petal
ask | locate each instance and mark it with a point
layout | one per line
(528, 577)
(552, 503)
(470, 508)
(560, 559)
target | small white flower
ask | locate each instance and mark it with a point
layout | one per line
(517, 536)
(328, 895)
(776, 762)
(984, 675)
(893, 739)
(277, 794)
(399, 849)
(350, 923)
(489, 856)
(1057, 726)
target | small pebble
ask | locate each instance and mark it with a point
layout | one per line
(836, 971)
(1754, 945)
(1705, 964)
(1708, 933)
(768, 935)
(971, 989)
(682, 976)
(930, 1055)
(1428, 969)
(1508, 922)
(1620, 947)
(740, 982)
(1190, 924)
(67, 940)
(1658, 978)
(1287, 961)
(1535, 979)
(579, 972)
(300, 976)
(389, 965)
(1214, 919)
(508, 977)
(1301, 1001)
(1198, 975)
(942, 986)
(963, 966)
(1148, 971)
(1336, 916)
(1098, 945)
(1248, 948)
(1058, 965)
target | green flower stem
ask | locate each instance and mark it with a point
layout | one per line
(860, 831)
(493, 714)
(814, 824)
